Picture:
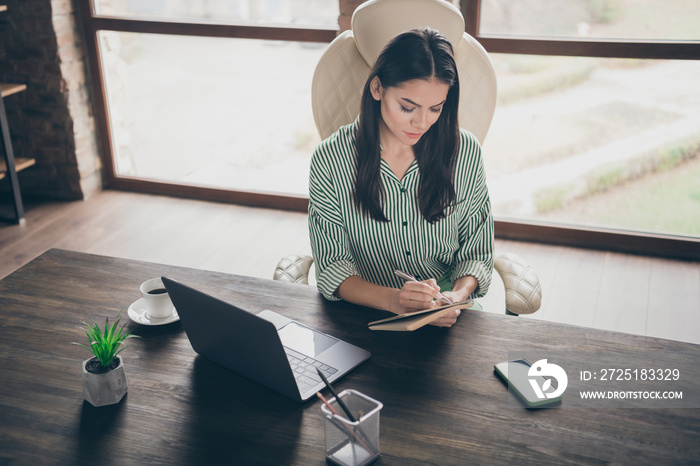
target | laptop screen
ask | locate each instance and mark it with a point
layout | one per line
(304, 339)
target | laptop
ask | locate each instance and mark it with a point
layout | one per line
(268, 348)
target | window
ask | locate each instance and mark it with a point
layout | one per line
(595, 140)
(237, 117)
(600, 90)
(208, 98)
(308, 13)
(599, 19)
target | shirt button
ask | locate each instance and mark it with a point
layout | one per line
(403, 190)
(408, 253)
(405, 223)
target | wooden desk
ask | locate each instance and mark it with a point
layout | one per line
(442, 402)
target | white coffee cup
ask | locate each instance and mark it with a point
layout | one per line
(157, 299)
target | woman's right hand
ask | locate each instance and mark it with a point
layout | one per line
(415, 296)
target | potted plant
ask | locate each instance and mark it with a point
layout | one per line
(104, 378)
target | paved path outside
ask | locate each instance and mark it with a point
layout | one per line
(668, 88)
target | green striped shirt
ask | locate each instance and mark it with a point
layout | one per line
(345, 242)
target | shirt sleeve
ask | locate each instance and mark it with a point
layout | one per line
(475, 254)
(329, 241)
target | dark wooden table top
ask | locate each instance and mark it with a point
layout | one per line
(442, 402)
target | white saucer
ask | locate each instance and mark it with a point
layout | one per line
(138, 312)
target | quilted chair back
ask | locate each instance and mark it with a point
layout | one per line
(341, 72)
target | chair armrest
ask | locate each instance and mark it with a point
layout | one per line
(523, 290)
(293, 269)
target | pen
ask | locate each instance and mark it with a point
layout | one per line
(411, 278)
(337, 398)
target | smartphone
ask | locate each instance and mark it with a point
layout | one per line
(515, 375)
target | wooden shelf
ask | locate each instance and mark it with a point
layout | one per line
(20, 164)
(9, 164)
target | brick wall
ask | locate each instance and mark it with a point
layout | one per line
(347, 7)
(52, 121)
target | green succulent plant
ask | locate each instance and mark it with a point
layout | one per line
(105, 345)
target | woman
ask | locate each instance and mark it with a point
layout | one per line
(403, 188)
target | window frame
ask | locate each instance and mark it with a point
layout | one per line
(613, 239)
(93, 24)
(494, 43)
(665, 245)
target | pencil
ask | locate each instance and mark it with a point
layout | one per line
(328, 405)
(337, 398)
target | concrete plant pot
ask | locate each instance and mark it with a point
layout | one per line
(107, 388)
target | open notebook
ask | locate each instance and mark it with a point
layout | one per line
(414, 320)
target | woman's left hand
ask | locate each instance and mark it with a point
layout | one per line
(449, 319)
(454, 296)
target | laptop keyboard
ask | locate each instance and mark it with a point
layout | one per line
(304, 368)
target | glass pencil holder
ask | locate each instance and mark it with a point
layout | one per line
(351, 443)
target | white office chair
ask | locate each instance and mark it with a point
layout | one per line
(337, 88)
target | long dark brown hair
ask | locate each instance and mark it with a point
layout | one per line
(415, 54)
